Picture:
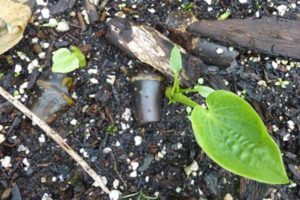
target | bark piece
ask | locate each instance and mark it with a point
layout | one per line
(209, 52)
(62, 6)
(153, 48)
(91, 11)
(252, 190)
(213, 53)
(270, 35)
(176, 23)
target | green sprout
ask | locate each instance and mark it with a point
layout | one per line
(225, 15)
(65, 61)
(140, 196)
(112, 129)
(188, 6)
(282, 83)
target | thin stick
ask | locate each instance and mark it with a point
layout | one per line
(56, 137)
(81, 21)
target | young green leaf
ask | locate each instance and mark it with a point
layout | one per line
(77, 52)
(234, 136)
(175, 59)
(64, 61)
(204, 91)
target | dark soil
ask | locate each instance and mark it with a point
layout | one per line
(168, 146)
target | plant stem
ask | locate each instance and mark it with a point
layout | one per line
(178, 97)
(189, 90)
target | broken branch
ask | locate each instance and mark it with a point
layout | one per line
(270, 35)
(153, 48)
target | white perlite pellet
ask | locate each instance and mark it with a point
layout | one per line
(116, 183)
(133, 174)
(5, 162)
(114, 195)
(94, 81)
(209, 2)
(151, 10)
(134, 165)
(42, 138)
(138, 140)
(73, 122)
(45, 13)
(62, 26)
(191, 168)
(26, 163)
(291, 125)
(2, 138)
(286, 137)
(84, 153)
(23, 148)
(111, 79)
(243, 1)
(18, 68)
(282, 9)
(127, 114)
(219, 50)
(46, 197)
(41, 3)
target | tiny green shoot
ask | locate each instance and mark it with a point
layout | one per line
(282, 83)
(225, 15)
(112, 129)
(188, 6)
(1, 75)
(65, 61)
(229, 131)
(140, 196)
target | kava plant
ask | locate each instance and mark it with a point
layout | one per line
(229, 130)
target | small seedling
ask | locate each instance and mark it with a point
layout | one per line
(225, 15)
(188, 6)
(112, 129)
(65, 61)
(283, 84)
(139, 196)
(229, 130)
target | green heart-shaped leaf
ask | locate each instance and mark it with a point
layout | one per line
(64, 61)
(232, 134)
(204, 91)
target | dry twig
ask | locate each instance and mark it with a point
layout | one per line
(56, 137)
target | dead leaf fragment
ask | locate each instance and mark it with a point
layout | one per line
(13, 23)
